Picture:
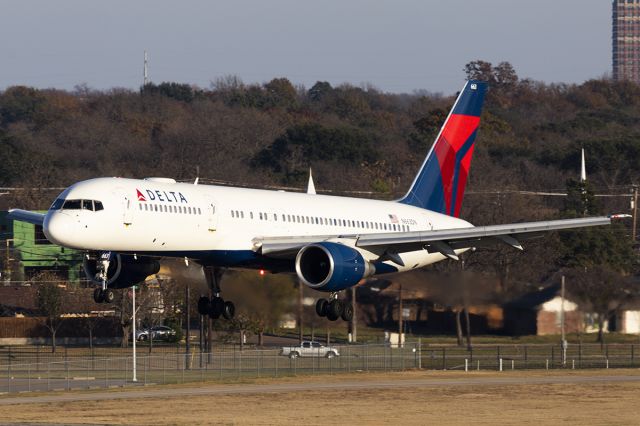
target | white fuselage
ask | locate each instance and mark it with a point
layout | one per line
(218, 224)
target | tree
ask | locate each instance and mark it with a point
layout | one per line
(50, 301)
(319, 91)
(262, 299)
(607, 247)
(280, 93)
(601, 290)
(427, 129)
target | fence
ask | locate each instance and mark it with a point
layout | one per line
(26, 369)
(81, 372)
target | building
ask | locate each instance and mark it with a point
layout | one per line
(626, 40)
(540, 313)
(26, 253)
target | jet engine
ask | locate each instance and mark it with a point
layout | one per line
(123, 271)
(331, 266)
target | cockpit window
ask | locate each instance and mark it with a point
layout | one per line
(72, 205)
(90, 205)
(57, 204)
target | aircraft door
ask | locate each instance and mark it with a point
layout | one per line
(211, 219)
(128, 207)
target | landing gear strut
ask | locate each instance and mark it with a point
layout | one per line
(216, 306)
(103, 294)
(334, 308)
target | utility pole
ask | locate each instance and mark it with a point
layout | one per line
(562, 324)
(400, 317)
(133, 328)
(187, 297)
(634, 210)
(300, 308)
(354, 321)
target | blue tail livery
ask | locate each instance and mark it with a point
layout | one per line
(440, 184)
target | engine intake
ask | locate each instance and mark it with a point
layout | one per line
(124, 270)
(331, 266)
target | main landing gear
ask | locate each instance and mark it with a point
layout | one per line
(215, 306)
(334, 308)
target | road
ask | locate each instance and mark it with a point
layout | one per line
(329, 385)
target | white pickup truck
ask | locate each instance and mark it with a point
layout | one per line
(310, 349)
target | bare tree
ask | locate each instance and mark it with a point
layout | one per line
(601, 290)
(51, 301)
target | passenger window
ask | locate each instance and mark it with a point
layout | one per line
(140, 205)
(242, 214)
(233, 213)
(275, 217)
(251, 215)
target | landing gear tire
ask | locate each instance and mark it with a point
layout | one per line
(322, 307)
(335, 309)
(108, 296)
(98, 296)
(203, 306)
(332, 317)
(216, 307)
(228, 310)
(347, 313)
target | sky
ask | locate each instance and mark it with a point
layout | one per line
(394, 45)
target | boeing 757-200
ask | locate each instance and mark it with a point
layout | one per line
(126, 226)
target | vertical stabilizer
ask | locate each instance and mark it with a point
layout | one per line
(441, 181)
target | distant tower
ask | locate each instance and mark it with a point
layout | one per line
(626, 40)
(583, 169)
(145, 75)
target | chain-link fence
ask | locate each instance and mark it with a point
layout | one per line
(28, 369)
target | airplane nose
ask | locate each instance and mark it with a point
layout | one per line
(59, 228)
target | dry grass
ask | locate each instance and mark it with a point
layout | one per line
(584, 404)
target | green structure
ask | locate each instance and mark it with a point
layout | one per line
(26, 253)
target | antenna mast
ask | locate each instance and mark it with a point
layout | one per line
(145, 75)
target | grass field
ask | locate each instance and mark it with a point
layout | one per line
(584, 404)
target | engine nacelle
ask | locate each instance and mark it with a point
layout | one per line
(331, 266)
(124, 270)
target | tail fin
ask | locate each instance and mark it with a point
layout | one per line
(440, 184)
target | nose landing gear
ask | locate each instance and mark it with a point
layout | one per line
(334, 308)
(103, 294)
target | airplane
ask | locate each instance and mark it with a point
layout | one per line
(331, 243)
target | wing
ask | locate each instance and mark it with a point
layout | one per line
(444, 241)
(27, 216)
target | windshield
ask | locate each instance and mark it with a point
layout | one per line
(91, 205)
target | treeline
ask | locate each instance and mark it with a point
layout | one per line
(355, 138)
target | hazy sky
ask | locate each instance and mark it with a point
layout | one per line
(396, 45)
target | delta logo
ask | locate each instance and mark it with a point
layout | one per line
(163, 196)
